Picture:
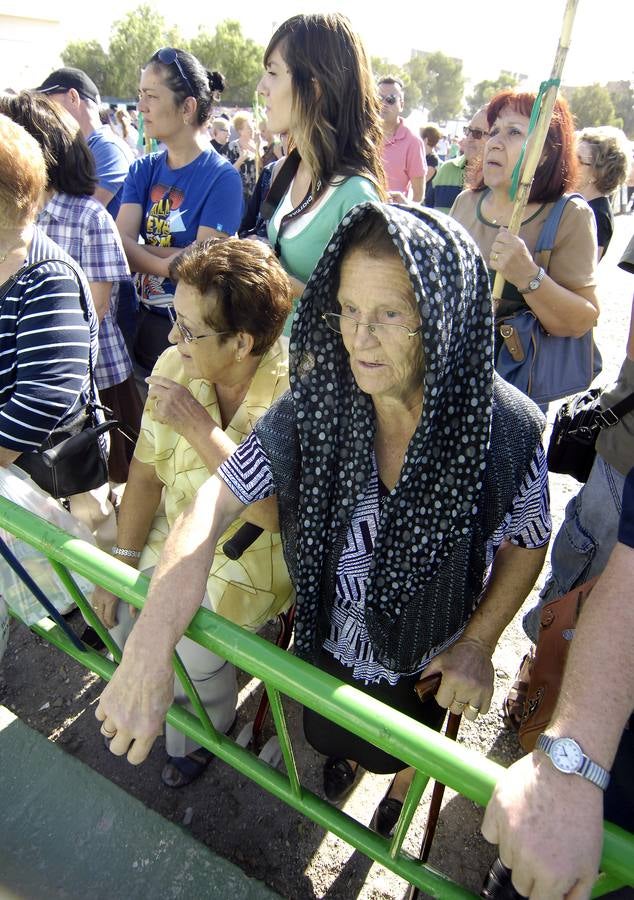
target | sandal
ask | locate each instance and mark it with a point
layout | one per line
(339, 779)
(514, 703)
(179, 771)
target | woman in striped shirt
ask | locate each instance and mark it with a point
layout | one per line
(45, 337)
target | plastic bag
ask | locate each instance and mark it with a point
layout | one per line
(16, 486)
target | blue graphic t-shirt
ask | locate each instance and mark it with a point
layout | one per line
(176, 202)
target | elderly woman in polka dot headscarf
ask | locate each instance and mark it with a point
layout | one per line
(412, 495)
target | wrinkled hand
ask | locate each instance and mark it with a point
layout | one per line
(510, 256)
(105, 606)
(172, 404)
(134, 704)
(467, 677)
(549, 828)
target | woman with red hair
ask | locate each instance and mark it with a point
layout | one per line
(563, 299)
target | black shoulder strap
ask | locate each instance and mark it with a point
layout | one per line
(280, 184)
(33, 267)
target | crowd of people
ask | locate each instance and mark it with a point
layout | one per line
(400, 482)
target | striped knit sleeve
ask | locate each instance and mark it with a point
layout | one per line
(44, 346)
(247, 472)
(528, 524)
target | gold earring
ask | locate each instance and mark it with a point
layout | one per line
(238, 358)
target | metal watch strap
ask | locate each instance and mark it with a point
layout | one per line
(535, 282)
(589, 769)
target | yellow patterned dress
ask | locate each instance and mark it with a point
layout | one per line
(253, 589)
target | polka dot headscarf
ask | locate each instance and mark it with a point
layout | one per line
(424, 543)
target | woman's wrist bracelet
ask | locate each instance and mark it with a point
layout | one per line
(123, 551)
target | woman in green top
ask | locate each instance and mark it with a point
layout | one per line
(318, 87)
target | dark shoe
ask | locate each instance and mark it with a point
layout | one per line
(339, 779)
(180, 771)
(386, 815)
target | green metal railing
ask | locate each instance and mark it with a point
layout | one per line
(432, 755)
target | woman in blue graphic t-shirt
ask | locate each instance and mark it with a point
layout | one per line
(183, 194)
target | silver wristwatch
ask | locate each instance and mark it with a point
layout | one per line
(535, 282)
(567, 756)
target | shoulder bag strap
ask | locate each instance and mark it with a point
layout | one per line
(546, 239)
(32, 267)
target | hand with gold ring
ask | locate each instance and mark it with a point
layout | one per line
(466, 687)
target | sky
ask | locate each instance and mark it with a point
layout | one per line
(488, 35)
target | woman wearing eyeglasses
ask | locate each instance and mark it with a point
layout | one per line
(559, 287)
(412, 493)
(225, 368)
(183, 194)
(318, 88)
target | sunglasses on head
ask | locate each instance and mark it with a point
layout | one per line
(391, 99)
(475, 133)
(168, 56)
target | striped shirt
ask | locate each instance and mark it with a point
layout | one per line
(44, 345)
(83, 228)
(527, 524)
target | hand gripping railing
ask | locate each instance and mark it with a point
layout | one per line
(432, 755)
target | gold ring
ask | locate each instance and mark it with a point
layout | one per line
(494, 257)
(108, 734)
(474, 709)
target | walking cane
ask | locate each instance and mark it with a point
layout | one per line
(425, 689)
(537, 130)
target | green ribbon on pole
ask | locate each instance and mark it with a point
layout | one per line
(537, 105)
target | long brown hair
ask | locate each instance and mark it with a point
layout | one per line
(336, 112)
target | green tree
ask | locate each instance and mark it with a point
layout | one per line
(484, 90)
(441, 83)
(238, 58)
(89, 56)
(622, 96)
(133, 40)
(592, 105)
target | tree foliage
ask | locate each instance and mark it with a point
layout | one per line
(133, 40)
(441, 83)
(484, 90)
(622, 96)
(592, 105)
(139, 34)
(238, 58)
(91, 58)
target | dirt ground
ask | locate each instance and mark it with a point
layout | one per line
(237, 819)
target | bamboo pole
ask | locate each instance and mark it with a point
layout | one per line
(536, 140)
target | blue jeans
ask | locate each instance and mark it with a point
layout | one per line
(585, 540)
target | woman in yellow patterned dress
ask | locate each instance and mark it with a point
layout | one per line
(227, 367)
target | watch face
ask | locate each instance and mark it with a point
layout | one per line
(534, 284)
(566, 755)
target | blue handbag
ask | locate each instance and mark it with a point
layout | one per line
(543, 366)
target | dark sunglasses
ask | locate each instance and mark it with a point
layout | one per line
(391, 99)
(475, 133)
(168, 56)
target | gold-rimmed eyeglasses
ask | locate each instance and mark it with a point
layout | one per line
(382, 330)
